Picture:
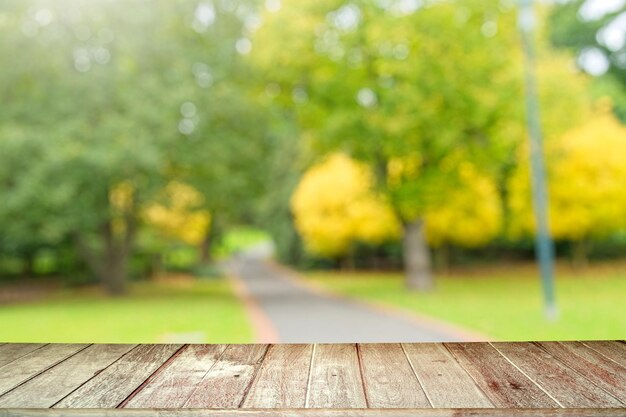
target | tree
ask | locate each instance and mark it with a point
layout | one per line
(472, 214)
(112, 98)
(594, 32)
(178, 214)
(388, 83)
(586, 174)
(334, 206)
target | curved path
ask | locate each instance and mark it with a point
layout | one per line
(296, 313)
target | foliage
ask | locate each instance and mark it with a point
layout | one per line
(471, 216)
(334, 206)
(597, 39)
(370, 79)
(384, 83)
(586, 177)
(179, 217)
(106, 104)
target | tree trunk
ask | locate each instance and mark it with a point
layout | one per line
(110, 264)
(115, 271)
(416, 257)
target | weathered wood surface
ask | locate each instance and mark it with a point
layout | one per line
(460, 379)
(226, 384)
(12, 351)
(336, 378)
(114, 384)
(282, 379)
(445, 382)
(65, 377)
(32, 364)
(315, 412)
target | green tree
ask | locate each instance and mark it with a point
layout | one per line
(109, 101)
(399, 86)
(595, 32)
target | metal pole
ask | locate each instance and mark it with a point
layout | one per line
(544, 247)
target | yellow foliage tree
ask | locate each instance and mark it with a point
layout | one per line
(179, 214)
(471, 216)
(334, 205)
(587, 183)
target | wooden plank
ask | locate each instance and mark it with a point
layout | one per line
(614, 350)
(594, 366)
(282, 379)
(111, 386)
(173, 385)
(226, 383)
(12, 351)
(564, 385)
(47, 388)
(335, 380)
(35, 362)
(445, 382)
(373, 412)
(503, 383)
(388, 378)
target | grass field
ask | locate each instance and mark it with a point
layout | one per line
(504, 303)
(174, 310)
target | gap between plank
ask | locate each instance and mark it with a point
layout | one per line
(527, 376)
(94, 375)
(27, 353)
(43, 370)
(578, 373)
(601, 354)
(360, 359)
(419, 381)
(469, 374)
(309, 377)
(204, 376)
(152, 376)
(256, 373)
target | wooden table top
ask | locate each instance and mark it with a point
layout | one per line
(547, 378)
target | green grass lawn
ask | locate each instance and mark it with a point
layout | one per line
(504, 303)
(198, 310)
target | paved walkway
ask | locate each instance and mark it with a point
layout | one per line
(301, 315)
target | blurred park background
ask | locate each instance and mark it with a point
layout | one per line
(379, 147)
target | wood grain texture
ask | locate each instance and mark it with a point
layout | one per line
(373, 412)
(12, 351)
(227, 382)
(614, 350)
(594, 366)
(282, 379)
(563, 384)
(503, 383)
(388, 378)
(16, 372)
(330, 379)
(335, 380)
(49, 387)
(445, 382)
(173, 385)
(111, 386)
